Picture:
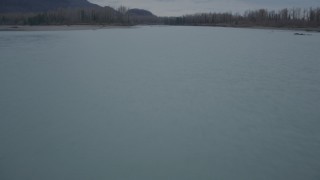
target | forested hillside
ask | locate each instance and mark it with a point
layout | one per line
(62, 12)
(14, 6)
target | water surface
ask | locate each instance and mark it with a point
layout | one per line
(159, 103)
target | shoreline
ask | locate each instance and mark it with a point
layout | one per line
(57, 27)
(305, 29)
(97, 27)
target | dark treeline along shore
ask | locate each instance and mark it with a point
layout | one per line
(81, 12)
(80, 16)
(290, 18)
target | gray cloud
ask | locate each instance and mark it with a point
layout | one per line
(180, 7)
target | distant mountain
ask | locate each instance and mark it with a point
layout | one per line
(141, 16)
(140, 12)
(41, 5)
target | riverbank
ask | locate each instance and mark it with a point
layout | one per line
(58, 27)
(306, 29)
(96, 27)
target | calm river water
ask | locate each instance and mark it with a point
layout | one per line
(160, 103)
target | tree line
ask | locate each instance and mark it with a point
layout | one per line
(71, 16)
(67, 16)
(294, 17)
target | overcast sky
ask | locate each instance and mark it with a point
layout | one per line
(181, 7)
